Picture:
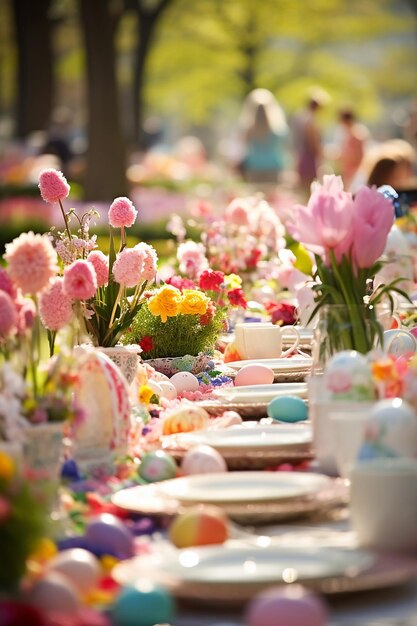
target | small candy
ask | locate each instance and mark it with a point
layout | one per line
(254, 375)
(145, 604)
(157, 465)
(199, 526)
(184, 381)
(291, 605)
(106, 534)
(287, 409)
(81, 567)
(203, 460)
(54, 592)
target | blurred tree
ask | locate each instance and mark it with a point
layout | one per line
(219, 51)
(33, 33)
(106, 159)
(149, 13)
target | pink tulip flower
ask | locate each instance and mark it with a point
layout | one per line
(373, 219)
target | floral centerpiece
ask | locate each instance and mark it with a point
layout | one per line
(104, 292)
(185, 317)
(347, 236)
(22, 523)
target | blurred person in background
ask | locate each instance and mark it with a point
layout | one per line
(353, 145)
(307, 140)
(389, 163)
(265, 133)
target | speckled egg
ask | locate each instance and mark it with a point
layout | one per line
(203, 460)
(290, 605)
(80, 566)
(255, 374)
(54, 593)
(156, 466)
(348, 377)
(107, 534)
(168, 390)
(287, 409)
(158, 376)
(184, 381)
(156, 388)
(144, 604)
(185, 419)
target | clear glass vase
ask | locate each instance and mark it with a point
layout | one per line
(341, 327)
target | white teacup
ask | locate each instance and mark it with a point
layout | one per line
(258, 340)
(383, 503)
(348, 428)
(398, 341)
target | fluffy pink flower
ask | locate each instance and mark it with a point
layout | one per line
(192, 259)
(53, 186)
(6, 283)
(373, 219)
(326, 222)
(8, 315)
(122, 213)
(80, 281)
(32, 262)
(26, 312)
(129, 266)
(238, 212)
(55, 307)
(150, 261)
(100, 263)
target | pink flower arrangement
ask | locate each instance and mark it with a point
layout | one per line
(55, 307)
(32, 262)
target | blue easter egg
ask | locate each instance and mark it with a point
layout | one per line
(156, 466)
(144, 604)
(107, 534)
(287, 409)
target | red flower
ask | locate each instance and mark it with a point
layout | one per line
(283, 314)
(253, 258)
(211, 280)
(237, 298)
(208, 315)
(181, 283)
(146, 343)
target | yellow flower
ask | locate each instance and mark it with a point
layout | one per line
(194, 302)
(7, 467)
(145, 394)
(166, 302)
(232, 281)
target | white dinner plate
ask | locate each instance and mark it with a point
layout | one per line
(293, 364)
(257, 437)
(231, 487)
(260, 393)
(234, 563)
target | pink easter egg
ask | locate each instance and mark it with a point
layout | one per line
(255, 374)
(203, 460)
(80, 566)
(168, 390)
(184, 381)
(54, 593)
(290, 605)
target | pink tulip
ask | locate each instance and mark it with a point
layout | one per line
(373, 219)
(326, 222)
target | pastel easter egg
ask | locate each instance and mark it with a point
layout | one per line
(199, 526)
(185, 419)
(287, 409)
(143, 604)
(203, 460)
(80, 566)
(107, 534)
(158, 377)
(255, 374)
(168, 390)
(156, 466)
(348, 377)
(184, 381)
(290, 605)
(54, 593)
(156, 387)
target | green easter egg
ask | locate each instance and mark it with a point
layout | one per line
(288, 409)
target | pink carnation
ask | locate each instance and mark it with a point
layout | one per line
(80, 280)
(55, 307)
(32, 262)
(122, 213)
(53, 186)
(6, 283)
(100, 262)
(150, 261)
(8, 315)
(129, 266)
